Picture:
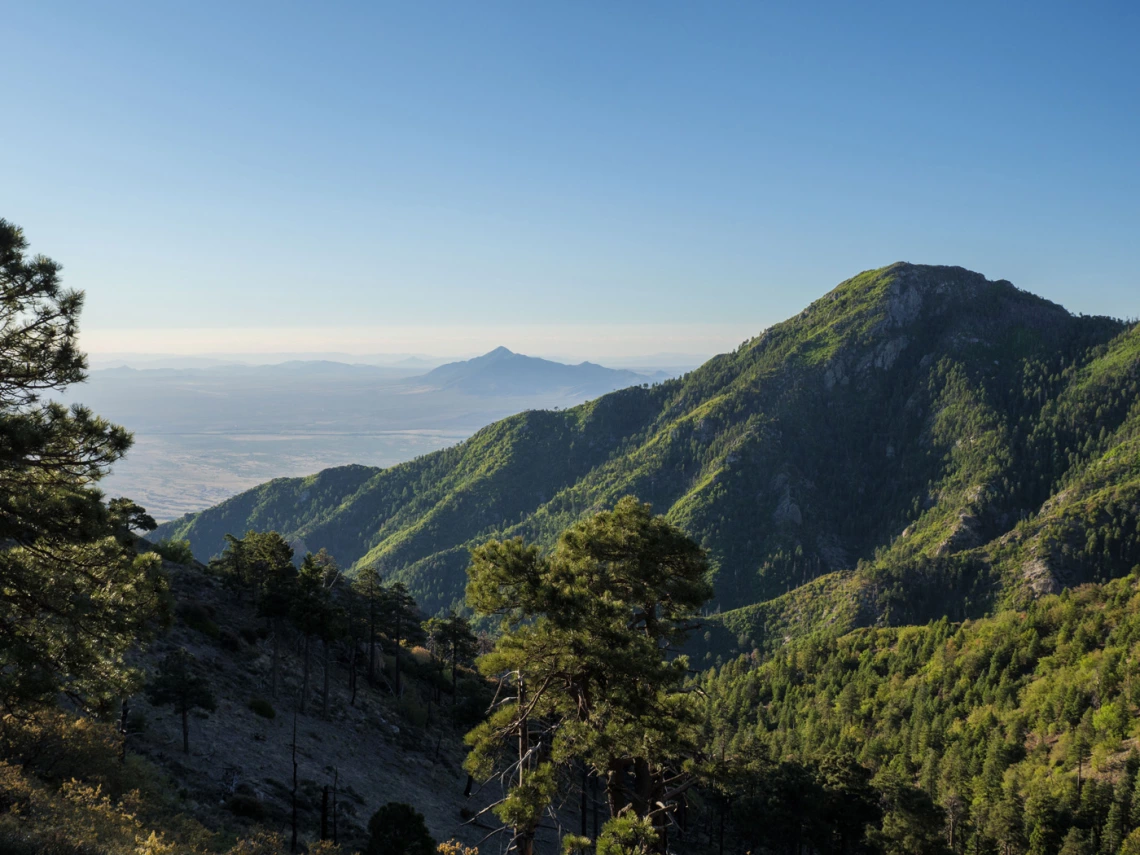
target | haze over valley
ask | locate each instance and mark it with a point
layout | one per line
(207, 432)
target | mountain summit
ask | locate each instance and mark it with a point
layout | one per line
(918, 438)
(502, 372)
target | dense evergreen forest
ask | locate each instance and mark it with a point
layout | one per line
(920, 496)
(1015, 733)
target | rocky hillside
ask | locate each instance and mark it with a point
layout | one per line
(919, 440)
(237, 777)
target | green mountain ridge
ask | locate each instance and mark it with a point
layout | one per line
(920, 441)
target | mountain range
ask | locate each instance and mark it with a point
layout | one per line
(502, 372)
(919, 442)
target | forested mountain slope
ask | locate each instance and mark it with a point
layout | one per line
(920, 438)
(1017, 731)
(1076, 464)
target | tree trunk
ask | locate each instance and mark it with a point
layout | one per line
(123, 729)
(336, 782)
(397, 668)
(185, 730)
(305, 675)
(642, 787)
(352, 676)
(325, 813)
(371, 634)
(615, 787)
(594, 800)
(524, 732)
(293, 843)
(584, 829)
(325, 692)
(660, 820)
(276, 660)
(525, 835)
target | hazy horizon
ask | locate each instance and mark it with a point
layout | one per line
(203, 435)
(618, 344)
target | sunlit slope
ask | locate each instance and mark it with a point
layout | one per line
(912, 413)
(1076, 467)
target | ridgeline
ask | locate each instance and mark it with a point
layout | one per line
(919, 442)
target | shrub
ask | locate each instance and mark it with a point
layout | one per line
(57, 746)
(230, 641)
(155, 845)
(413, 708)
(175, 551)
(262, 707)
(628, 835)
(136, 722)
(262, 843)
(197, 617)
(421, 656)
(79, 818)
(398, 829)
(249, 635)
(247, 806)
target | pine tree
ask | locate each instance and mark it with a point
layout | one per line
(315, 615)
(270, 570)
(1075, 843)
(401, 620)
(76, 595)
(1007, 823)
(1041, 822)
(398, 829)
(1115, 824)
(334, 622)
(180, 685)
(307, 612)
(456, 642)
(368, 584)
(585, 654)
(1134, 811)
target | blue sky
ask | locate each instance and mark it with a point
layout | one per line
(323, 171)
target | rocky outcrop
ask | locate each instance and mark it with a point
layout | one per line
(904, 304)
(966, 533)
(787, 511)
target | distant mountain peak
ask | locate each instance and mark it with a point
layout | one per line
(504, 372)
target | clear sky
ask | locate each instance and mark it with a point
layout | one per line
(216, 174)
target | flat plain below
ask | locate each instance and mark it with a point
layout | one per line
(203, 435)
